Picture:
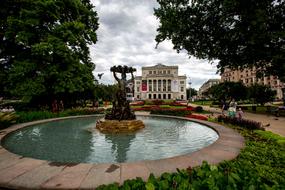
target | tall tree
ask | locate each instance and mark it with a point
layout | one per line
(227, 90)
(44, 51)
(261, 94)
(239, 33)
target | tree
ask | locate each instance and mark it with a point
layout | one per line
(227, 90)
(261, 94)
(239, 33)
(44, 51)
(193, 92)
(105, 92)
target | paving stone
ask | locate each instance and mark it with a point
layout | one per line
(8, 159)
(157, 167)
(18, 169)
(69, 178)
(101, 174)
(34, 178)
(133, 170)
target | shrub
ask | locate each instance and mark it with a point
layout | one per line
(38, 115)
(249, 124)
(199, 109)
(7, 119)
(157, 102)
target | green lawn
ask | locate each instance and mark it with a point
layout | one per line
(203, 102)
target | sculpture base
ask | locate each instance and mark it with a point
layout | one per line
(123, 126)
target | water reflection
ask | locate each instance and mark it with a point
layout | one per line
(120, 145)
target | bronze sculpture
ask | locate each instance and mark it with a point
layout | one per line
(121, 109)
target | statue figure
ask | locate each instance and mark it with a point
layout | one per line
(121, 109)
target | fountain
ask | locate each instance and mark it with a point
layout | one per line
(121, 119)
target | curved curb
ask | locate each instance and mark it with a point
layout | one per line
(18, 172)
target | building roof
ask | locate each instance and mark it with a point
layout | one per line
(160, 66)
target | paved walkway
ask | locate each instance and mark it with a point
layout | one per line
(18, 172)
(276, 124)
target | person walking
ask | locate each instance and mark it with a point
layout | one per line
(240, 114)
(232, 108)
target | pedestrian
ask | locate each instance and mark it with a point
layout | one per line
(224, 107)
(61, 106)
(54, 106)
(232, 108)
(240, 114)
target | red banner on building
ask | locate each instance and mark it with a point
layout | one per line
(144, 85)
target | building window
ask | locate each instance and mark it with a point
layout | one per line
(164, 96)
(159, 86)
(164, 85)
(168, 72)
(169, 96)
(138, 82)
(150, 72)
(149, 96)
(138, 96)
(159, 96)
(164, 72)
(159, 72)
(182, 97)
(138, 89)
(150, 85)
(181, 82)
(154, 72)
(154, 96)
(154, 85)
(169, 86)
(182, 89)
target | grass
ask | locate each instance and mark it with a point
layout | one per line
(203, 102)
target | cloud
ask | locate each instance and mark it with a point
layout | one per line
(126, 36)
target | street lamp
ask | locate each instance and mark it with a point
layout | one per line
(189, 89)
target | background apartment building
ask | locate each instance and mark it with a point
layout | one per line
(248, 77)
(205, 87)
(160, 82)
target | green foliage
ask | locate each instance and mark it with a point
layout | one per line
(7, 119)
(38, 115)
(239, 33)
(194, 92)
(105, 92)
(245, 123)
(272, 136)
(261, 93)
(44, 51)
(227, 90)
(199, 109)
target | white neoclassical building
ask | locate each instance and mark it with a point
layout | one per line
(160, 82)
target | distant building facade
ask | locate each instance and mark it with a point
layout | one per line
(248, 78)
(160, 82)
(205, 87)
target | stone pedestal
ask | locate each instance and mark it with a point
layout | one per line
(123, 126)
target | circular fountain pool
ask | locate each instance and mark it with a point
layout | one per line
(70, 140)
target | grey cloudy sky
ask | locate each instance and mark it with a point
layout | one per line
(126, 36)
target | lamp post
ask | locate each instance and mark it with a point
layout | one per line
(190, 90)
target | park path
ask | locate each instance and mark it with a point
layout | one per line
(276, 124)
